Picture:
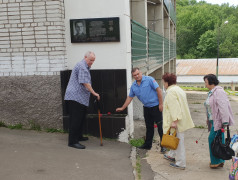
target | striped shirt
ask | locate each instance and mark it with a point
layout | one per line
(76, 91)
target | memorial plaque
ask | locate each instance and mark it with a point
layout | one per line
(95, 30)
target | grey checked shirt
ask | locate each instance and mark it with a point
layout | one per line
(76, 91)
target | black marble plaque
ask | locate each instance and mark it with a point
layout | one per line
(95, 30)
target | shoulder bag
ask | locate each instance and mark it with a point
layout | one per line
(220, 150)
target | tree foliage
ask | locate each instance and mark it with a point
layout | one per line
(199, 27)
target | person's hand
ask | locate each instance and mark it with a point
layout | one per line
(160, 107)
(224, 126)
(119, 109)
(174, 124)
(97, 95)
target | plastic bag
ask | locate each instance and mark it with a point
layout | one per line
(233, 174)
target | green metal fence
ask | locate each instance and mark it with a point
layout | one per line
(172, 13)
(170, 7)
(138, 41)
(149, 54)
(172, 49)
(166, 50)
(155, 46)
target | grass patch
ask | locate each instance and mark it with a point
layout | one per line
(196, 103)
(137, 142)
(16, 126)
(138, 167)
(2, 124)
(200, 127)
(34, 126)
(194, 89)
(230, 92)
(53, 130)
(196, 110)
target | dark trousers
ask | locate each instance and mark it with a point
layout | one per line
(77, 118)
(152, 115)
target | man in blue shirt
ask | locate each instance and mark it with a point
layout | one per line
(77, 97)
(148, 92)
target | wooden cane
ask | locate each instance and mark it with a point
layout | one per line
(100, 129)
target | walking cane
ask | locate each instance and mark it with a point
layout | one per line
(99, 119)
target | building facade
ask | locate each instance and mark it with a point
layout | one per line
(37, 54)
(190, 72)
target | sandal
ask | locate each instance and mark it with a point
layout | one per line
(214, 166)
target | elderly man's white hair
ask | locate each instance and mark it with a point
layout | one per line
(87, 54)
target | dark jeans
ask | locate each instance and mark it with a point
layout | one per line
(77, 118)
(152, 115)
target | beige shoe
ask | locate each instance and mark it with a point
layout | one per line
(215, 166)
(176, 166)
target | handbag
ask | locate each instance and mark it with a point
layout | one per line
(170, 141)
(220, 150)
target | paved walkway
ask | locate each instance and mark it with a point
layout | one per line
(197, 154)
(32, 155)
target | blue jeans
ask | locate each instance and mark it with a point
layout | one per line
(211, 137)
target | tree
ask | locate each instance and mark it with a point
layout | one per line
(207, 44)
(229, 41)
(197, 29)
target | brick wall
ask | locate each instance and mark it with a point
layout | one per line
(32, 37)
(32, 42)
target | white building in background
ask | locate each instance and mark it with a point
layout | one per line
(190, 72)
(36, 53)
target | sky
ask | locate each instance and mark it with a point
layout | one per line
(231, 2)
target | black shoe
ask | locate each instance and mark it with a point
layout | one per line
(144, 146)
(77, 146)
(83, 139)
(163, 150)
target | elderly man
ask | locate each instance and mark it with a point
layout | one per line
(77, 97)
(148, 92)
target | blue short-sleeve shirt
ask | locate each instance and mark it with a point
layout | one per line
(76, 91)
(146, 91)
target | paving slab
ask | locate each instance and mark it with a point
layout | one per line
(32, 155)
(197, 154)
